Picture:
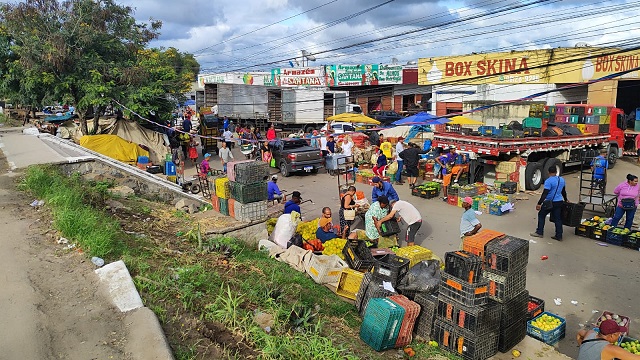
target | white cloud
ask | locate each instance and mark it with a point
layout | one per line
(218, 26)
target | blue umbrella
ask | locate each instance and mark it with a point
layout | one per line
(421, 118)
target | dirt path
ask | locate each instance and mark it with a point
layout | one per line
(50, 307)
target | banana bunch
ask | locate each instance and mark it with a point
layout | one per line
(308, 229)
(334, 247)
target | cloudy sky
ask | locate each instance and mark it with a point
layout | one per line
(241, 35)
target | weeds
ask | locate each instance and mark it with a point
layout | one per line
(96, 233)
(226, 309)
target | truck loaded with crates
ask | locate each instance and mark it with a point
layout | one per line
(568, 135)
(288, 108)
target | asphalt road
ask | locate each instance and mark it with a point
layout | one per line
(577, 268)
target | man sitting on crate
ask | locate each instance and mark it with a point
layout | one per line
(600, 345)
(273, 191)
(469, 224)
(411, 216)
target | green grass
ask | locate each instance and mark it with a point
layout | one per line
(74, 214)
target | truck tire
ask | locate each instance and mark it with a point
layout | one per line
(283, 170)
(550, 162)
(533, 176)
(612, 158)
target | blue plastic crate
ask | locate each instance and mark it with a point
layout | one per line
(381, 324)
(616, 239)
(495, 209)
(550, 337)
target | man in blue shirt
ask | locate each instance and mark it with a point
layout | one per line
(273, 191)
(325, 232)
(225, 123)
(599, 166)
(293, 204)
(553, 196)
(383, 188)
(469, 224)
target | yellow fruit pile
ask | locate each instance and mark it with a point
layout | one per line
(271, 225)
(334, 247)
(546, 322)
(308, 229)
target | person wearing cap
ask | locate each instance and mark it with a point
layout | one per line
(469, 224)
(381, 188)
(409, 214)
(411, 157)
(325, 232)
(273, 191)
(599, 345)
(293, 204)
(205, 167)
(399, 150)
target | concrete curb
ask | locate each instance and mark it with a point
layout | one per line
(146, 339)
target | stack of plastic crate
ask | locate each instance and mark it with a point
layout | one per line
(505, 268)
(467, 323)
(247, 186)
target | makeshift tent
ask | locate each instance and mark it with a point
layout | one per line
(354, 118)
(134, 132)
(114, 147)
(421, 118)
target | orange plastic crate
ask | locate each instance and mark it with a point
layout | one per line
(476, 244)
(411, 312)
(232, 209)
(215, 202)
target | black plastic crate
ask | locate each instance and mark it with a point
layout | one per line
(374, 289)
(503, 288)
(463, 265)
(453, 190)
(507, 255)
(616, 238)
(477, 319)
(250, 172)
(532, 132)
(389, 227)
(632, 241)
(362, 290)
(391, 268)
(415, 191)
(424, 323)
(509, 187)
(535, 307)
(512, 335)
(248, 193)
(515, 308)
(461, 291)
(357, 255)
(572, 213)
(584, 230)
(464, 343)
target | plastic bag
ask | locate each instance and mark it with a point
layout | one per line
(423, 278)
(393, 167)
(285, 229)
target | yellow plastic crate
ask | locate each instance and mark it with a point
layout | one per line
(415, 254)
(172, 178)
(222, 187)
(460, 201)
(349, 283)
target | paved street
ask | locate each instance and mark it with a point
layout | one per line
(598, 277)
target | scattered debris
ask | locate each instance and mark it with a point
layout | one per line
(574, 302)
(188, 206)
(558, 301)
(63, 241)
(544, 257)
(37, 203)
(99, 262)
(603, 244)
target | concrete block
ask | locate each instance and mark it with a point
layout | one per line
(120, 286)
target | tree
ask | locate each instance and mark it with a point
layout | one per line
(92, 51)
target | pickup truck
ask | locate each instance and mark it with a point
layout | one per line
(385, 117)
(292, 155)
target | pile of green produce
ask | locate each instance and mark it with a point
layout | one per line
(334, 247)
(632, 346)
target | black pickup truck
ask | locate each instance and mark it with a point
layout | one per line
(292, 155)
(385, 117)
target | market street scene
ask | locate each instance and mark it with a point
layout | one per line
(168, 193)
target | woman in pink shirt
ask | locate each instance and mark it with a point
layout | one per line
(627, 193)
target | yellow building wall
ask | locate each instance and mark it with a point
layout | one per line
(552, 66)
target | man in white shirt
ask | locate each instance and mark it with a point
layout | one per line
(228, 136)
(399, 149)
(410, 215)
(225, 156)
(323, 145)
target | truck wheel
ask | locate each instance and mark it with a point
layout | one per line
(283, 170)
(551, 162)
(612, 158)
(533, 176)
